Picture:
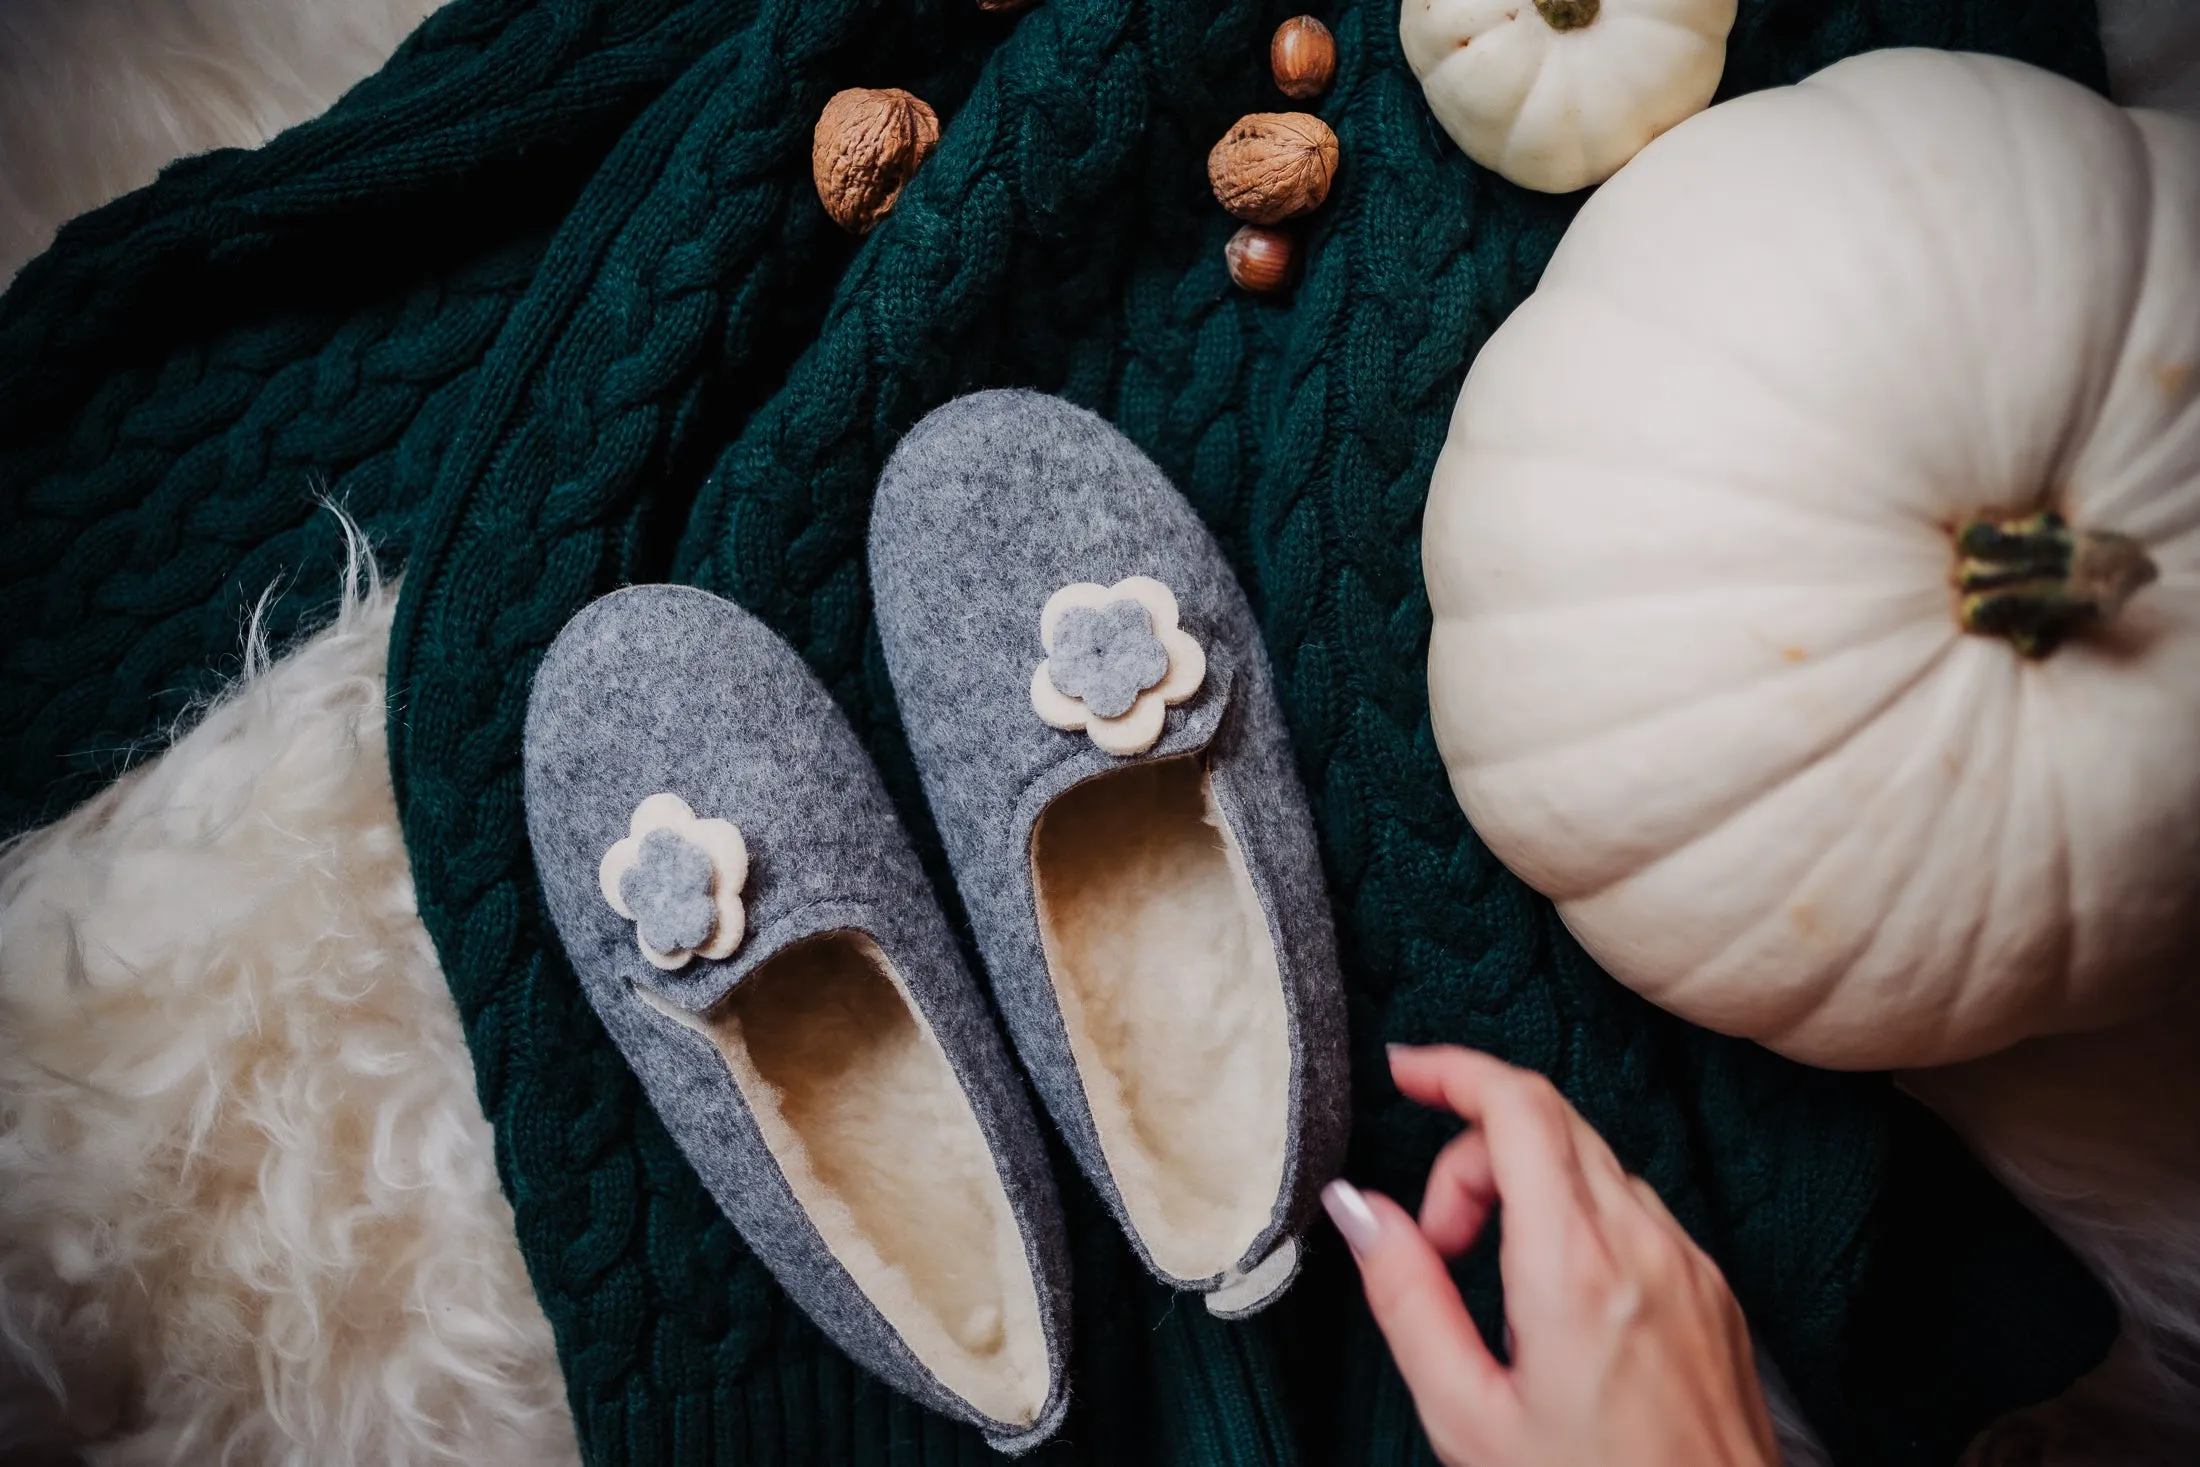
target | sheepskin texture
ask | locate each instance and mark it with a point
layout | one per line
(858, 1102)
(668, 689)
(1173, 1005)
(2100, 1134)
(97, 96)
(248, 1207)
(987, 509)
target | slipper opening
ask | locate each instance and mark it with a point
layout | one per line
(878, 1141)
(1169, 988)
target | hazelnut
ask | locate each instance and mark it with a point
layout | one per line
(1261, 260)
(1303, 57)
(1273, 166)
(867, 144)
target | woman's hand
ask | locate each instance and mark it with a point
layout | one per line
(1628, 1349)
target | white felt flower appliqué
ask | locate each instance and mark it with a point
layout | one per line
(1116, 660)
(678, 880)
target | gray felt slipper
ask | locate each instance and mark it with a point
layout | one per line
(1093, 715)
(754, 929)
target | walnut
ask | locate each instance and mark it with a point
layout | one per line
(867, 144)
(1303, 57)
(1273, 166)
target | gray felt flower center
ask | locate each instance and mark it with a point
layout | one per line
(669, 888)
(1107, 655)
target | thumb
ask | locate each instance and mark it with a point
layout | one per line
(1464, 1397)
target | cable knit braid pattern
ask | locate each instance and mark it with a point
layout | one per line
(552, 305)
(191, 369)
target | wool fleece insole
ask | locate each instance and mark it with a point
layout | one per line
(1174, 1006)
(868, 1122)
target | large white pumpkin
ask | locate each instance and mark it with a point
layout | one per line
(1700, 671)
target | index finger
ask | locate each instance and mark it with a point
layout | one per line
(1464, 1396)
(1526, 1121)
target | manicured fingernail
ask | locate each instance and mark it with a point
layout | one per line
(1353, 1217)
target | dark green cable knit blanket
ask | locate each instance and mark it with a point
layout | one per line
(550, 305)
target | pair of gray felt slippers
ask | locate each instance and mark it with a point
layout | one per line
(1090, 708)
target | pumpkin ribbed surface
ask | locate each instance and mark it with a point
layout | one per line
(1827, 644)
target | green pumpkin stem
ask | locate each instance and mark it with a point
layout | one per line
(1567, 15)
(2035, 580)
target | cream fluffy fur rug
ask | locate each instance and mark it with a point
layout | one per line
(97, 96)
(248, 1210)
(2100, 1133)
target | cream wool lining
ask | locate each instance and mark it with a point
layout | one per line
(1174, 1006)
(866, 1119)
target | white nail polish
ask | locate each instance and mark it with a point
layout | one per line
(1351, 1214)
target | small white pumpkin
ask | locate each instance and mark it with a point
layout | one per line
(1557, 94)
(1700, 668)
